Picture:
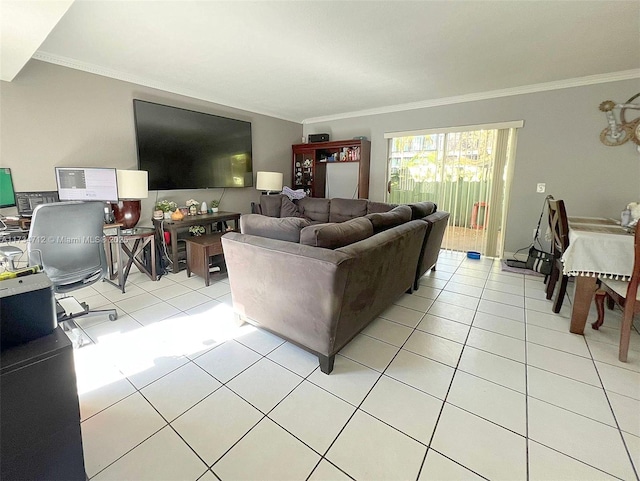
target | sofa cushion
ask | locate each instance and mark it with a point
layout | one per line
(288, 208)
(376, 207)
(315, 209)
(387, 220)
(285, 228)
(334, 235)
(341, 210)
(270, 204)
(420, 210)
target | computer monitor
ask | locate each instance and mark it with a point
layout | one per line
(87, 183)
(7, 194)
(27, 201)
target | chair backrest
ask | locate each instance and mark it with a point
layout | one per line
(66, 239)
(559, 225)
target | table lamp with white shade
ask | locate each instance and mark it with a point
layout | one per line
(133, 185)
(269, 182)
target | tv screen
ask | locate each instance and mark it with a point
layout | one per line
(86, 183)
(7, 195)
(183, 149)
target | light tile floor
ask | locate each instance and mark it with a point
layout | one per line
(470, 377)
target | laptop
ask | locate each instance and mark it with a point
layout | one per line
(27, 201)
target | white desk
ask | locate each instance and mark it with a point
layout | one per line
(598, 247)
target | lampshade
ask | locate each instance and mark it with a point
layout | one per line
(133, 184)
(269, 181)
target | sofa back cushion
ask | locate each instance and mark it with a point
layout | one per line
(285, 228)
(315, 209)
(419, 210)
(270, 204)
(341, 210)
(378, 207)
(335, 235)
(387, 220)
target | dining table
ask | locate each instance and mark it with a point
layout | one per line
(599, 247)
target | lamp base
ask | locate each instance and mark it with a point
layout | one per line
(127, 212)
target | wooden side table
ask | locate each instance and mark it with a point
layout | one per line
(174, 227)
(140, 236)
(199, 250)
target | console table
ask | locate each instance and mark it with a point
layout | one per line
(39, 413)
(174, 227)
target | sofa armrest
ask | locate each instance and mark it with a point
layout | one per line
(436, 226)
(291, 289)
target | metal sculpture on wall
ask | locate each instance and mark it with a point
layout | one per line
(620, 130)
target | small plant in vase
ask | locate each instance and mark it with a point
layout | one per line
(193, 207)
(166, 207)
(196, 230)
(214, 206)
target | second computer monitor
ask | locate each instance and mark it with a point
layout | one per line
(87, 183)
(27, 201)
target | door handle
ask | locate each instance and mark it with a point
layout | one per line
(389, 187)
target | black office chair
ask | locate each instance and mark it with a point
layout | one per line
(66, 240)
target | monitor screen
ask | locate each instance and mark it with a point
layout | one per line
(87, 183)
(27, 201)
(7, 195)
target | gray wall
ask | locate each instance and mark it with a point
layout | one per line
(55, 116)
(559, 145)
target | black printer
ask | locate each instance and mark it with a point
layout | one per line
(27, 309)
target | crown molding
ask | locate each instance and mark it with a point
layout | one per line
(492, 94)
(155, 84)
(146, 82)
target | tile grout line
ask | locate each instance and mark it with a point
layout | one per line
(444, 402)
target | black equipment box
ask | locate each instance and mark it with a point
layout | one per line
(318, 137)
(27, 309)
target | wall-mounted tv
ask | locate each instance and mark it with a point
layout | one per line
(183, 149)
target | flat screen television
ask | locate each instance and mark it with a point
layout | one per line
(7, 194)
(183, 149)
(87, 183)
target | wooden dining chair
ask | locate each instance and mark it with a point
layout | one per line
(559, 226)
(626, 295)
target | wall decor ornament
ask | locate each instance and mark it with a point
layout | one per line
(622, 128)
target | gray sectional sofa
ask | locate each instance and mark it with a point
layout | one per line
(319, 272)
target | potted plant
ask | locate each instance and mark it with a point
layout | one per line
(192, 204)
(166, 207)
(214, 206)
(196, 230)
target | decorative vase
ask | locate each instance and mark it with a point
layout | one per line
(177, 215)
(203, 208)
(193, 209)
(167, 215)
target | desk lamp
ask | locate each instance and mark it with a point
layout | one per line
(269, 182)
(132, 186)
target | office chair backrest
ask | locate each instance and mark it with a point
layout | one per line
(66, 239)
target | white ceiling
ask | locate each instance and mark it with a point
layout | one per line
(305, 60)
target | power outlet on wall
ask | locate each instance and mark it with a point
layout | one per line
(541, 188)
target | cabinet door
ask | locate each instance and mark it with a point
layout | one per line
(304, 171)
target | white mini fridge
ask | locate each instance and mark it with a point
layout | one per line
(342, 180)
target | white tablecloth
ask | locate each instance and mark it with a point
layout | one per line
(604, 254)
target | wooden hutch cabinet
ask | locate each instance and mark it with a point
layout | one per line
(310, 164)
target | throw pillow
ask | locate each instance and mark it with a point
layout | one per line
(288, 208)
(270, 205)
(332, 236)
